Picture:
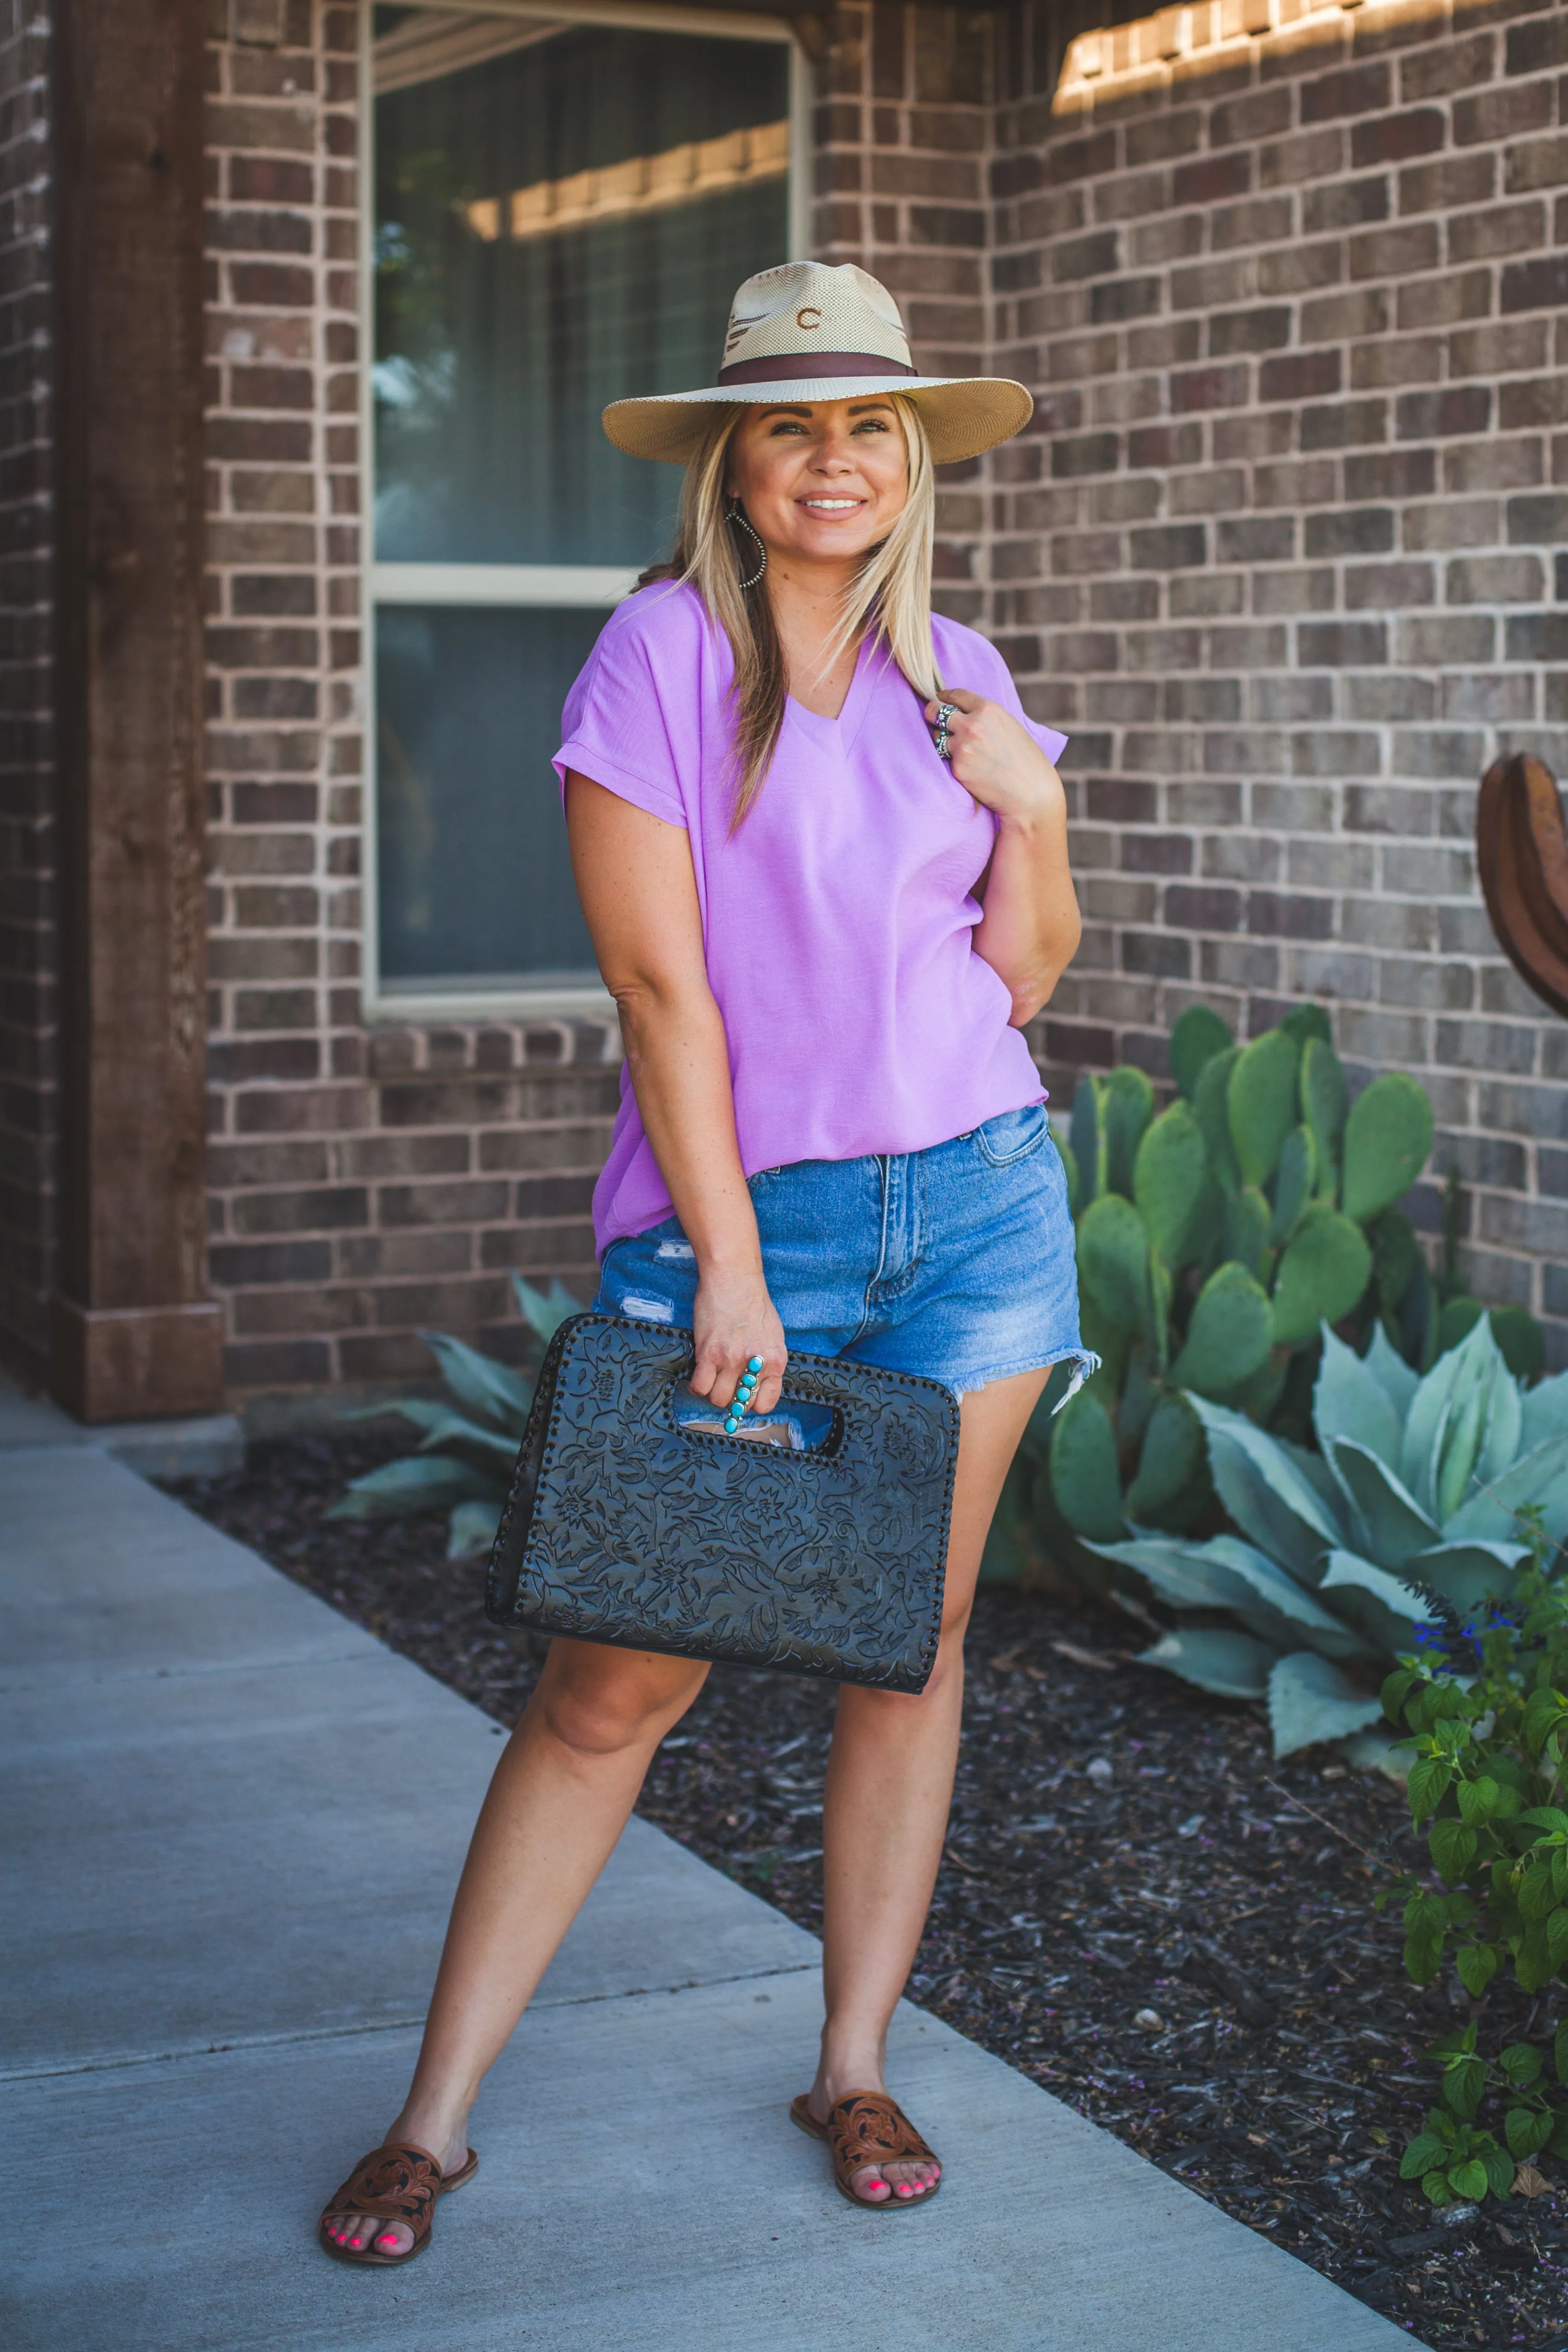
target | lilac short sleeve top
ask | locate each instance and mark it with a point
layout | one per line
(836, 921)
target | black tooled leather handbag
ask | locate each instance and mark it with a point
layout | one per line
(627, 1525)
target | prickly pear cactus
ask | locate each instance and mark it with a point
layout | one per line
(1218, 1238)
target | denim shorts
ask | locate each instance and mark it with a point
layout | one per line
(956, 1262)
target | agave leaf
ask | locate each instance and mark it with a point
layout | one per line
(1320, 1479)
(1540, 1477)
(1265, 1493)
(544, 1315)
(1226, 1574)
(1450, 1383)
(1503, 1430)
(442, 1427)
(1350, 1401)
(1393, 1525)
(1392, 1373)
(1232, 1665)
(1545, 1413)
(419, 1482)
(1379, 1605)
(1309, 1700)
(1466, 1574)
(493, 1391)
(472, 1527)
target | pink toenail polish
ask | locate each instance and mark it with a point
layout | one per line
(388, 2240)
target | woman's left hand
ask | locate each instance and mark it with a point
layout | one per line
(995, 757)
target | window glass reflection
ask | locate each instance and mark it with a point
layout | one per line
(563, 214)
(474, 876)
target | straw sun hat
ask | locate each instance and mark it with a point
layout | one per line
(807, 332)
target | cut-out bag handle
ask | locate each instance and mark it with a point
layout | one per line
(622, 1529)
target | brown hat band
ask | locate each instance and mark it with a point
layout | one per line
(797, 367)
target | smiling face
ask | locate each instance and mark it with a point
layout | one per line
(823, 482)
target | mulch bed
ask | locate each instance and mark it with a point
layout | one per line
(1139, 1908)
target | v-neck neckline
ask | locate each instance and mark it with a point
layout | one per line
(852, 710)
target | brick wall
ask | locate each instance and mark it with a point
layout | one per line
(367, 1185)
(1281, 550)
(364, 1186)
(28, 945)
(1284, 545)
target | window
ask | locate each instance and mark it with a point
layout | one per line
(564, 205)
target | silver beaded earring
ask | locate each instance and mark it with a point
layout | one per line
(737, 515)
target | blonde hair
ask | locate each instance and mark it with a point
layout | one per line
(890, 593)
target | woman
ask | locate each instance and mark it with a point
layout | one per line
(823, 943)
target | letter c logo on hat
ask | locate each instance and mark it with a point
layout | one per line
(808, 318)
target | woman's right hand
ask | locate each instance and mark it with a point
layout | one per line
(733, 1320)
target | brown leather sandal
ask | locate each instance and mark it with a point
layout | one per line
(399, 2182)
(867, 2127)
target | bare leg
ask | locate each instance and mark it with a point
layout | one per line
(563, 1789)
(889, 1785)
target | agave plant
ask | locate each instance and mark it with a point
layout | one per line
(1405, 1520)
(1214, 1241)
(464, 1459)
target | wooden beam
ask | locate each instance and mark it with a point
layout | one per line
(134, 1332)
(1521, 850)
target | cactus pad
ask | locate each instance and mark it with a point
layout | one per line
(1177, 1198)
(1229, 1336)
(1114, 1262)
(1172, 1483)
(1324, 1096)
(1261, 1102)
(1126, 1096)
(1086, 1479)
(1196, 1038)
(1211, 1110)
(1320, 1276)
(1387, 1138)
(1295, 1182)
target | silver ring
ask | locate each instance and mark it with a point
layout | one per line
(944, 711)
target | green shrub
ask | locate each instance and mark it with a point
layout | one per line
(1484, 1706)
(463, 1463)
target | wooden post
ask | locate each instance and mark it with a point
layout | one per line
(133, 1333)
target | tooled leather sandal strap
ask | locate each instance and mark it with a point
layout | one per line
(869, 2128)
(400, 2183)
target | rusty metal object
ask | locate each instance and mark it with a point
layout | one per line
(1522, 848)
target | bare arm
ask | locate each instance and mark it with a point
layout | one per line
(639, 895)
(1030, 928)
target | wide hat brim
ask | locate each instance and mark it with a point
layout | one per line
(962, 414)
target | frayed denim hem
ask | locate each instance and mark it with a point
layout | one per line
(1084, 1361)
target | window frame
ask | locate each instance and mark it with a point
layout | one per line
(510, 586)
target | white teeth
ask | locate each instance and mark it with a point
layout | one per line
(831, 506)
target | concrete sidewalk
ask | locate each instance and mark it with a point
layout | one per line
(211, 1989)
